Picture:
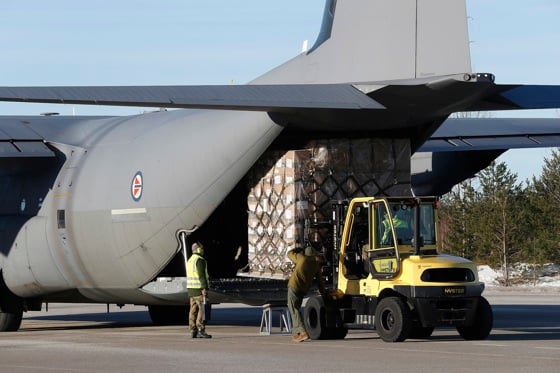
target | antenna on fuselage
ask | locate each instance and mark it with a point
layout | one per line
(304, 47)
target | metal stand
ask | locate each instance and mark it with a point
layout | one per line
(266, 319)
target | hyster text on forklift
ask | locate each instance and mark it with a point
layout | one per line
(391, 276)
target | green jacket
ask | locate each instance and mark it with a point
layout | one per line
(307, 268)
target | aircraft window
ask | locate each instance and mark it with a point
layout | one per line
(61, 219)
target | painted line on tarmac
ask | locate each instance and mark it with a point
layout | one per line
(490, 345)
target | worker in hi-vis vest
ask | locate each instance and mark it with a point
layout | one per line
(197, 289)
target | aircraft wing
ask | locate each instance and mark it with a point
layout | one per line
(466, 134)
(461, 147)
(411, 108)
(475, 93)
(230, 97)
(514, 97)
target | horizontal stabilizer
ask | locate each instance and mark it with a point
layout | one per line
(229, 97)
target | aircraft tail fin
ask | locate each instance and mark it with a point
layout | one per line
(373, 40)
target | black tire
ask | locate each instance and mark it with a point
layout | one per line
(393, 320)
(421, 332)
(482, 325)
(10, 322)
(314, 318)
(11, 308)
(335, 329)
(169, 315)
(337, 333)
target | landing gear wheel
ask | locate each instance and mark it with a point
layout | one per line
(169, 315)
(11, 308)
(10, 322)
(482, 325)
(314, 318)
(392, 320)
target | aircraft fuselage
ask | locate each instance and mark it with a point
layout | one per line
(126, 186)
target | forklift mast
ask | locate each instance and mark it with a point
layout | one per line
(339, 210)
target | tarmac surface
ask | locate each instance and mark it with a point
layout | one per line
(85, 338)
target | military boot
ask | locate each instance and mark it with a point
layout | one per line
(202, 334)
(194, 332)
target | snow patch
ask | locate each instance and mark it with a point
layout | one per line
(488, 275)
(526, 275)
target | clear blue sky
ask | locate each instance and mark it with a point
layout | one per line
(142, 42)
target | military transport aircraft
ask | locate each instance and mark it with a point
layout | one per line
(98, 209)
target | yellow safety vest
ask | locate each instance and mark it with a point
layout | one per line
(193, 279)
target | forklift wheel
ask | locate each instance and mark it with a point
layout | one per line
(482, 325)
(393, 320)
(314, 318)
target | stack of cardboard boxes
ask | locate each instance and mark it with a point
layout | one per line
(291, 193)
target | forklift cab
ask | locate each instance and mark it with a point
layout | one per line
(378, 232)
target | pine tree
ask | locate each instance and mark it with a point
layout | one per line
(456, 225)
(545, 203)
(499, 216)
(500, 222)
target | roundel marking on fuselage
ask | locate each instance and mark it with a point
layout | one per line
(137, 186)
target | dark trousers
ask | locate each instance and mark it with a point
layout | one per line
(294, 304)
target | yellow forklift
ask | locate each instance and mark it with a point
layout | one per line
(387, 274)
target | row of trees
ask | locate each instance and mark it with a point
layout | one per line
(494, 219)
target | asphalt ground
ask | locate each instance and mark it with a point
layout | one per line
(85, 338)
